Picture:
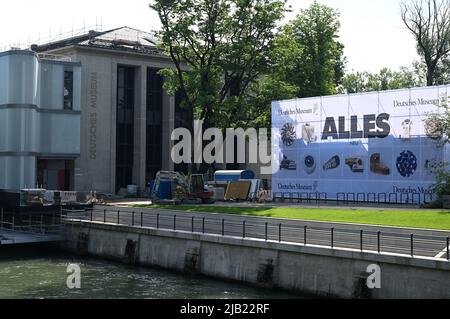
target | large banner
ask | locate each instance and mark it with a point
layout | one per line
(375, 146)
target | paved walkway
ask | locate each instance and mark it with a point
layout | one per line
(424, 243)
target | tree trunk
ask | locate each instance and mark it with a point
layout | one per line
(430, 79)
(431, 70)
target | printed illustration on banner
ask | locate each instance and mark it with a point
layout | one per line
(356, 164)
(288, 134)
(333, 163)
(287, 164)
(377, 167)
(309, 164)
(407, 163)
(308, 134)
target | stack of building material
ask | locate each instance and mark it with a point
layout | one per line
(238, 190)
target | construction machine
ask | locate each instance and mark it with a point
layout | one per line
(173, 186)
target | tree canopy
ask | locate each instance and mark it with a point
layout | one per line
(220, 49)
(308, 55)
(386, 79)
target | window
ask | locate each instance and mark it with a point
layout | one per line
(154, 123)
(125, 127)
(68, 90)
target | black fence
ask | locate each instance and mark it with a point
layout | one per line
(354, 198)
(287, 232)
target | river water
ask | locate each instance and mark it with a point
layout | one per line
(35, 272)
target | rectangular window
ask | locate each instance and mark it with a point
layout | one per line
(68, 90)
(154, 123)
(125, 127)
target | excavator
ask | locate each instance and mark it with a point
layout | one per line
(173, 186)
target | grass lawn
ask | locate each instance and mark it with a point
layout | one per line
(430, 219)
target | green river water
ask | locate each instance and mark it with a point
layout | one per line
(35, 272)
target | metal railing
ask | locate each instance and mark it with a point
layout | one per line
(9, 223)
(413, 245)
(353, 198)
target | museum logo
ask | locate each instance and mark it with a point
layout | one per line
(412, 190)
(299, 111)
(296, 111)
(418, 102)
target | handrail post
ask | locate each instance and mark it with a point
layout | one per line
(379, 241)
(361, 239)
(92, 213)
(332, 237)
(157, 221)
(118, 217)
(142, 219)
(132, 219)
(412, 245)
(305, 228)
(223, 227)
(279, 233)
(192, 224)
(175, 222)
(267, 231)
(243, 229)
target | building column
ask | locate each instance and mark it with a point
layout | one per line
(168, 124)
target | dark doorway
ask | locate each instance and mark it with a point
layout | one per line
(55, 174)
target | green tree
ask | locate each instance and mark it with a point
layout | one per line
(384, 80)
(220, 49)
(309, 53)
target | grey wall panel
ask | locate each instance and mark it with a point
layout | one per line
(76, 88)
(18, 79)
(17, 172)
(19, 130)
(23, 79)
(4, 79)
(51, 86)
(59, 133)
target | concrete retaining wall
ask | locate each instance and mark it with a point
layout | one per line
(307, 270)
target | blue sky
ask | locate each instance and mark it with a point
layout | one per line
(372, 31)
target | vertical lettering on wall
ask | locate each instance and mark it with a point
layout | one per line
(93, 116)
